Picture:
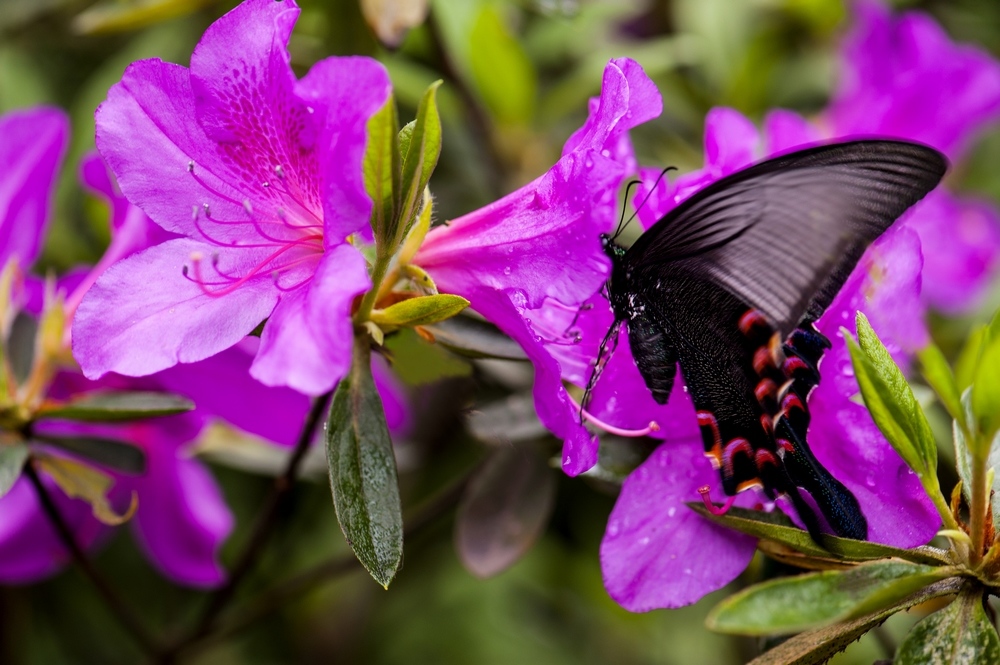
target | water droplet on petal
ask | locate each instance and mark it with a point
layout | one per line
(671, 511)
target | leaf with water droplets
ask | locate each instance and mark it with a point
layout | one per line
(892, 404)
(363, 470)
(818, 646)
(793, 604)
(504, 510)
(960, 634)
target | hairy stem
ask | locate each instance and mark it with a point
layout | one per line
(378, 274)
(124, 614)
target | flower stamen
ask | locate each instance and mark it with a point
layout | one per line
(705, 492)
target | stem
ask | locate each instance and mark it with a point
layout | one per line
(125, 615)
(977, 511)
(378, 274)
(308, 580)
(266, 521)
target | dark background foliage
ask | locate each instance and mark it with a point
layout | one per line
(511, 97)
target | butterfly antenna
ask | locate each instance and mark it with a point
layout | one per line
(621, 220)
(652, 189)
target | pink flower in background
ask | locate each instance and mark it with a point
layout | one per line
(537, 249)
(259, 174)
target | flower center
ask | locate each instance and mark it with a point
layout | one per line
(292, 231)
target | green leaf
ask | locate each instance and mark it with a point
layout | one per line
(777, 527)
(381, 170)
(504, 510)
(891, 402)
(80, 481)
(111, 17)
(818, 646)
(12, 458)
(963, 460)
(939, 376)
(422, 146)
(117, 406)
(475, 339)
(501, 70)
(115, 454)
(419, 311)
(363, 470)
(960, 634)
(986, 395)
(968, 358)
(793, 604)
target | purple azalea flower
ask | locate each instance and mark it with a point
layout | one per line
(260, 176)
(534, 256)
(904, 77)
(182, 519)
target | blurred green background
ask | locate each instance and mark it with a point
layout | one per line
(517, 76)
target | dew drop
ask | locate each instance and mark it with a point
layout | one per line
(506, 270)
(644, 540)
(671, 511)
(687, 571)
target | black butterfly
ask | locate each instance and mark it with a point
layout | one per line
(729, 283)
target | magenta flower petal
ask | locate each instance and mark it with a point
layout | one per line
(787, 130)
(307, 342)
(30, 548)
(842, 434)
(906, 78)
(656, 551)
(144, 315)
(32, 145)
(221, 386)
(182, 519)
(346, 92)
(963, 239)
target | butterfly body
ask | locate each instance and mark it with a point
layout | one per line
(727, 286)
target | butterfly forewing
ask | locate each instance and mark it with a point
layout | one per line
(729, 283)
(784, 234)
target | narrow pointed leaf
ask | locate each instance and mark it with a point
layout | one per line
(12, 458)
(108, 452)
(475, 339)
(118, 406)
(420, 311)
(381, 170)
(891, 402)
(502, 71)
(85, 482)
(793, 604)
(986, 395)
(818, 646)
(968, 358)
(363, 471)
(960, 634)
(421, 149)
(776, 526)
(504, 510)
(940, 377)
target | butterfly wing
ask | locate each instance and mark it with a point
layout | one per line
(729, 282)
(785, 234)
